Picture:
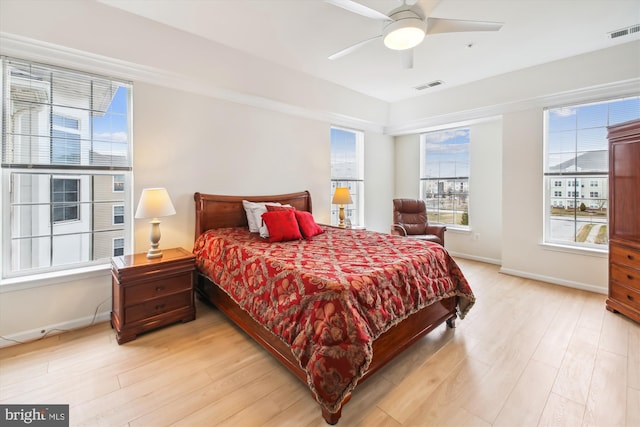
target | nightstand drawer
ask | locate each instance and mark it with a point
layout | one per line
(628, 277)
(157, 306)
(157, 288)
(624, 295)
(624, 255)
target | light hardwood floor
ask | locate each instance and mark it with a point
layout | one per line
(527, 354)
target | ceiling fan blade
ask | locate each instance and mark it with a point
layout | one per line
(351, 48)
(360, 9)
(407, 59)
(439, 25)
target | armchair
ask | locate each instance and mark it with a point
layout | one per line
(410, 219)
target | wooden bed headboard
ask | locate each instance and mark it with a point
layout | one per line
(218, 211)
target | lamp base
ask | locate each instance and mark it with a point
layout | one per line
(154, 253)
(341, 217)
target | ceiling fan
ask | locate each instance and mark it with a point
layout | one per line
(406, 26)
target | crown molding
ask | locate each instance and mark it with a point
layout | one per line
(38, 51)
(602, 92)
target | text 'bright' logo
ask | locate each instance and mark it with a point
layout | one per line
(38, 415)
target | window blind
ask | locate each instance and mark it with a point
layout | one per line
(61, 118)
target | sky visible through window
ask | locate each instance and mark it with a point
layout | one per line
(343, 154)
(447, 154)
(110, 129)
(579, 129)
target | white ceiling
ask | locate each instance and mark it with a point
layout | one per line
(301, 34)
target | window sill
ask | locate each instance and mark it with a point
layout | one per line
(598, 253)
(53, 278)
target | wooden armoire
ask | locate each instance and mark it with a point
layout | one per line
(624, 219)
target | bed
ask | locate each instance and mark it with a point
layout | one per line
(333, 308)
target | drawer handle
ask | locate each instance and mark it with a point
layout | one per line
(630, 257)
(159, 306)
(630, 277)
(630, 297)
(159, 288)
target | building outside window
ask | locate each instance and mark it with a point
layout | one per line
(444, 176)
(66, 168)
(347, 170)
(577, 153)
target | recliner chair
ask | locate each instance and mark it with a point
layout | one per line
(410, 220)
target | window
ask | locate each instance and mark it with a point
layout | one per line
(118, 246)
(66, 167)
(65, 140)
(118, 214)
(576, 152)
(65, 194)
(118, 183)
(444, 176)
(347, 170)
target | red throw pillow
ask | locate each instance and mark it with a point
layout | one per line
(282, 225)
(307, 224)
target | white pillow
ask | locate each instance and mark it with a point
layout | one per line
(254, 211)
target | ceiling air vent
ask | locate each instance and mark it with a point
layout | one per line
(429, 85)
(624, 31)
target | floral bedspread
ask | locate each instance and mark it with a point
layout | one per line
(329, 297)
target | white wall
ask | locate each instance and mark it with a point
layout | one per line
(378, 181)
(589, 76)
(522, 251)
(407, 167)
(512, 163)
(187, 143)
(206, 119)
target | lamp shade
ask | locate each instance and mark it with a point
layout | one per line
(404, 34)
(341, 196)
(154, 203)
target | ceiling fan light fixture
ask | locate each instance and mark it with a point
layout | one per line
(404, 34)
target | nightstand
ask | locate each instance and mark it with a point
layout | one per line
(150, 293)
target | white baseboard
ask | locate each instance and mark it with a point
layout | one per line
(555, 281)
(47, 331)
(475, 258)
(538, 277)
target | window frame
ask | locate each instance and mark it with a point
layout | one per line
(94, 162)
(117, 247)
(354, 213)
(117, 215)
(118, 186)
(434, 211)
(579, 181)
(64, 204)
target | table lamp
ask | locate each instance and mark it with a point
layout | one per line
(341, 197)
(154, 203)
